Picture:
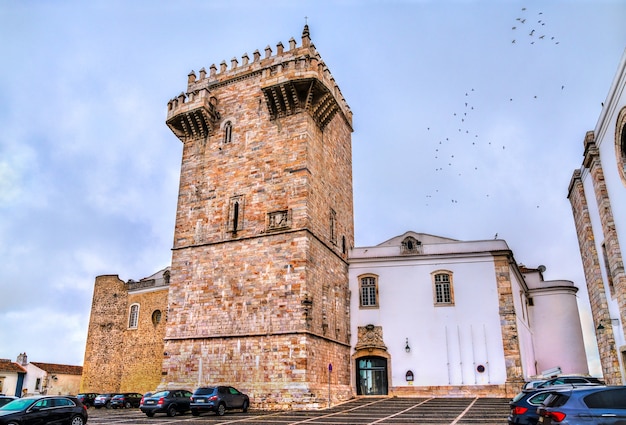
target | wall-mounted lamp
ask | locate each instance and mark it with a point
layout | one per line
(600, 327)
(407, 348)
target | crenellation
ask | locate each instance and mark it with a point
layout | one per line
(279, 48)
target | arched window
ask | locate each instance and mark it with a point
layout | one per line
(228, 132)
(620, 144)
(156, 317)
(368, 291)
(443, 293)
(133, 316)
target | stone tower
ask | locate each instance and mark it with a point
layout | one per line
(259, 293)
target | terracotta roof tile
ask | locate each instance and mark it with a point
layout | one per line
(7, 365)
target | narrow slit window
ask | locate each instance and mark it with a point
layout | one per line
(228, 132)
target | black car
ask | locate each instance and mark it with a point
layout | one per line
(87, 398)
(44, 409)
(604, 405)
(103, 400)
(169, 402)
(218, 399)
(4, 399)
(126, 400)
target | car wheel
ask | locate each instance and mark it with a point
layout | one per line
(221, 409)
(128, 405)
(77, 420)
(195, 412)
(149, 414)
(171, 411)
(245, 406)
(108, 405)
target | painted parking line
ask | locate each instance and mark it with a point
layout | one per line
(401, 412)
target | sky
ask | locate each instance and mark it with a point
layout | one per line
(469, 120)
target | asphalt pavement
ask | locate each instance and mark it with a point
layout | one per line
(360, 411)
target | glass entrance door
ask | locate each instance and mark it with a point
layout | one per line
(371, 376)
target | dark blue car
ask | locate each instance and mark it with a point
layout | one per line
(524, 406)
(218, 399)
(604, 405)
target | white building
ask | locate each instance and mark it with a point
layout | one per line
(597, 193)
(437, 315)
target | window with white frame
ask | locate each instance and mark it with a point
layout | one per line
(442, 288)
(133, 316)
(368, 290)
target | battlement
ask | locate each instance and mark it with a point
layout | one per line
(291, 80)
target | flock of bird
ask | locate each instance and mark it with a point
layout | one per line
(536, 25)
(460, 149)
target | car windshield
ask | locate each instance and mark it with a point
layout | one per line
(19, 404)
(204, 391)
(160, 394)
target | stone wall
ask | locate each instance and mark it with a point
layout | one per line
(102, 367)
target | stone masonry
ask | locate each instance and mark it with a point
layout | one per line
(259, 294)
(119, 358)
(591, 259)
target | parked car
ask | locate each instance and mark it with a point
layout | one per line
(170, 402)
(571, 379)
(524, 406)
(126, 400)
(604, 405)
(103, 400)
(44, 409)
(4, 399)
(218, 399)
(87, 398)
(533, 384)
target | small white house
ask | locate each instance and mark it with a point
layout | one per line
(436, 315)
(49, 378)
(11, 378)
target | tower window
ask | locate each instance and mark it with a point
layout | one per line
(368, 290)
(333, 225)
(133, 316)
(228, 132)
(442, 288)
(235, 214)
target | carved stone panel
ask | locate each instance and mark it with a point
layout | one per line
(370, 337)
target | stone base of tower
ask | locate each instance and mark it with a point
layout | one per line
(285, 372)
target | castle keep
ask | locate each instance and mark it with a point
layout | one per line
(259, 276)
(266, 290)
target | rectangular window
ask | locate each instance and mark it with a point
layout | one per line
(133, 317)
(368, 292)
(443, 289)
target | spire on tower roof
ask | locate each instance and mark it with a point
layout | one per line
(306, 38)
